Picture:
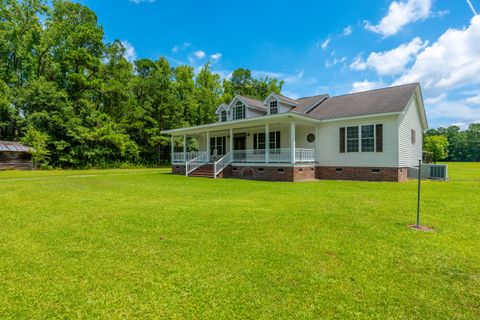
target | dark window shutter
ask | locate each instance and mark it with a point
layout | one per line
(342, 140)
(277, 141)
(254, 141)
(379, 134)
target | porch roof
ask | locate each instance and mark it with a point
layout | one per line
(275, 118)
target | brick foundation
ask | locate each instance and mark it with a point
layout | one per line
(297, 173)
(178, 169)
(308, 172)
(361, 173)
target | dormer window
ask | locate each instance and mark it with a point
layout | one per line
(273, 107)
(223, 115)
(239, 111)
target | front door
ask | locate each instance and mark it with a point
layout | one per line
(239, 146)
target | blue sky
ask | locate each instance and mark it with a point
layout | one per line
(333, 47)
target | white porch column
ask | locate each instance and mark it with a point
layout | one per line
(267, 143)
(208, 146)
(292, 140)
(231, 139)
(317, 143)
(172, 147)
(185, 147)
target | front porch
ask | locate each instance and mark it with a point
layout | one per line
(281, 144)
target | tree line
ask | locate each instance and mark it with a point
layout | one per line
(454, 144)
(79, 102)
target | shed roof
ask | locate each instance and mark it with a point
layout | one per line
(13, 146)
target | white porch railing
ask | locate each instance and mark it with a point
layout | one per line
(196, 163)
(222, 163)
(280, 155)
(178, 156)
(304, 155)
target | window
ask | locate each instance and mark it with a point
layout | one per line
(413, 137)
(223, 115)
(259, 141)
(273, 107)
(274, 140)
(218, 144)
(239, 111)
(352, 139)
(368, 138)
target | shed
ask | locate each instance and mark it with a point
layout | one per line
(14, 155)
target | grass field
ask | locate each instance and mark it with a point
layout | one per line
(148, 244)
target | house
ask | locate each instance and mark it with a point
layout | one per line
(374, 135)
(13, 155)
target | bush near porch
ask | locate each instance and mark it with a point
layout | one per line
(149, 244)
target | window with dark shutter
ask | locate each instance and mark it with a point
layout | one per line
(379, 137)
(342, 140)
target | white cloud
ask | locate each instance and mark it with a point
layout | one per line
(400, 13)
(473, 100)
(199, 54)
(451, 61)
(390, 62)
(347, 31)
(130, 53)
(141, 1)
(175, 49)
(447, 112)
(365, 85)
(216, 56)
(335, 61)
(433, 100)
(324, 44)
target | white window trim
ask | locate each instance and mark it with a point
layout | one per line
(270, 106)
(360, 138)
(234, 109)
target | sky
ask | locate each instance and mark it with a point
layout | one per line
(316, 47)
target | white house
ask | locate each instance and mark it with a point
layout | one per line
(371, 135)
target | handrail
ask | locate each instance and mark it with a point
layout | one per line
(195, 163)
(222, 163)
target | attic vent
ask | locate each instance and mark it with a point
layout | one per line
(316, 104)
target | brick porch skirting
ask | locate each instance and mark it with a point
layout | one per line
(362, 174)
(307, 172)
(270, 173)
(178, 169)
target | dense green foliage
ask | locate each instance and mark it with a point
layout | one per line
(109, 244)
(437, 146)
(81, 103)
(463, 145)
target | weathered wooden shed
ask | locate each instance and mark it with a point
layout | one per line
(14, 155)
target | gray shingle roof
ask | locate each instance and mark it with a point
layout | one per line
(304, 104)
(385, 100)
(13, 146)
(253, 102)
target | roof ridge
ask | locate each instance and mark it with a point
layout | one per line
(377, 89)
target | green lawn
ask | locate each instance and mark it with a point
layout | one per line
(148, 244)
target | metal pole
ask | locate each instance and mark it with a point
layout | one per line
(418, 197)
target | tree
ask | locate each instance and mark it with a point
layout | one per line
(437, 145)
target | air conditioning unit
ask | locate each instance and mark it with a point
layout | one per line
(435, 171)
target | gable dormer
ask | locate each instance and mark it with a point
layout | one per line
(240, 108)
(222, 113)
(276, 103)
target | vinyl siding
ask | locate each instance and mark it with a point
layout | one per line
(328, 144)
(409, 153)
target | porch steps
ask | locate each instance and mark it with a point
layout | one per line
(205, 171)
